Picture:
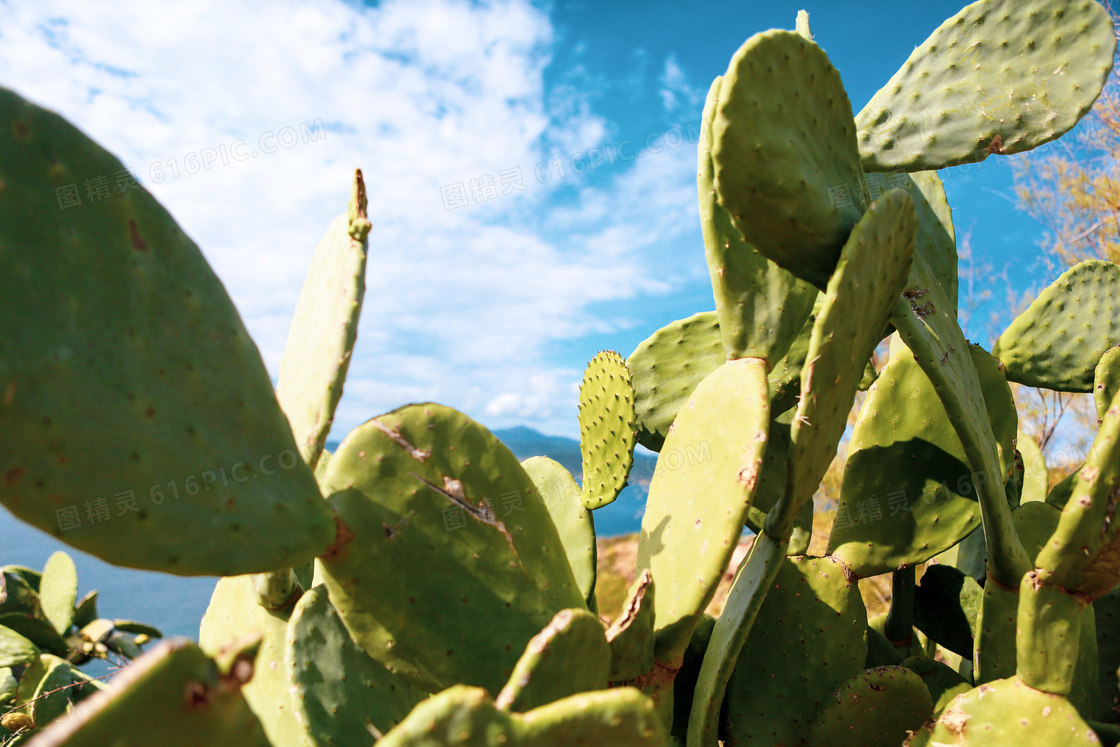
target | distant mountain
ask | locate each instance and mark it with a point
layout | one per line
(624, 516)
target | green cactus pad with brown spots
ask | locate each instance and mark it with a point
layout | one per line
(1083, 555)
(137, 420)
(173, 696)
(340, 692)
(877, 706)
(1007, 713)
(761, 306)
(426, 484)
(467, 717)
(570, 656)
(1059, 340)
(325, 328)
(788, 669)
(1001, 76)
(784, 154)
(697, 505)
(608, 429)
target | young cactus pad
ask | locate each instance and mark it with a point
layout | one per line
(128, 382)
(574, 522)
(607, 429)
(325, 328)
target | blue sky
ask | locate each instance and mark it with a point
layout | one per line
(245, 120)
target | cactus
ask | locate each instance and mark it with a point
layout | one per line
(452, 595)
(777, 154)
(128, 332)
(342, 691)
(1059, 340)
(45, 635)
(631, 636)
(574, 522)
(877, 706)
(1053, 59)
(426, 481)
(184, 697)
(608, 432)
(570, 656)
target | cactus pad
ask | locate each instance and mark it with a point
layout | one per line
(234, 613)
(761, 306)
(127, 378)
(570, 656)
(1106, 380)
(937, 241)
(1059, 340)
(1001, 76)
(787, 669)
(1083, 555)
(325, 328)
(1036, 479)
(58, 590)
(341, 691)
(860, 297)
(697, 504)
(667, 366)
(784, 153)
(877, 706)
(927, 324)
(1007, 713)
(631, 635)
(607, 429)
(574, 522)
(467, 717)
(908, 493)
(15, 650)
(425, 481)
(173, 695)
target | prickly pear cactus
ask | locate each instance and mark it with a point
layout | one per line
(783, 141)
(607, 429)
(453, 596)
(137, 421)
(325, 328)
(427, 482)
(946, 105)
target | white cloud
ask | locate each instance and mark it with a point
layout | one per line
(461, 304)
(675, 90)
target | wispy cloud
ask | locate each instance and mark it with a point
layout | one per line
(462, 304)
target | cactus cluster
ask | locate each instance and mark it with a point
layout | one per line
(420, 586)
(46, 634)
